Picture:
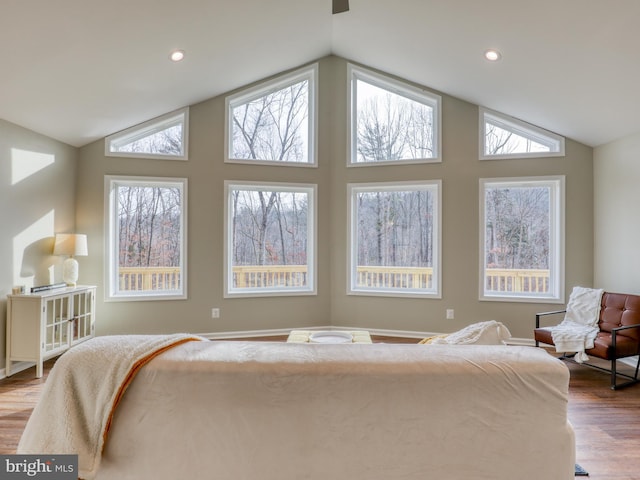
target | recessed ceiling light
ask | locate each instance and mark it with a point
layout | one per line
(492, 55)
(176, 55)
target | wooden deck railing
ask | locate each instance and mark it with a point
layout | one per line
(395, 277)
(260, 276)
(517, 280)
(148, 278)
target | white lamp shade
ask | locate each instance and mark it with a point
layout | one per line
(72, 244)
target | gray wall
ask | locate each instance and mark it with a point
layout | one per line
(206, 171)
(37, 194)
(617, 229)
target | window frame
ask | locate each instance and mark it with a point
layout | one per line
(148, 128)
(312, 230)
(112, 294)
(397, 87)
(352, 216)
(557, 206)
(309, 73)
(523, 129)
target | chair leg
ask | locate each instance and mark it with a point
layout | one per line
(633, 380)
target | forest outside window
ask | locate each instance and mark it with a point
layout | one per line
(522, 239)
(394, 233)
(275, 122)
(165, 137)
(146, 225)
(391, 121)
(270, 239)
(502, 136)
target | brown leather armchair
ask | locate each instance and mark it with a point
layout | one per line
(619, 334)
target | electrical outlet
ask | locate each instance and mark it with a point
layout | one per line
(215, 313)
(450, 315)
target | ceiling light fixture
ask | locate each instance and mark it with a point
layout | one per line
(492, 55)
(176, 55)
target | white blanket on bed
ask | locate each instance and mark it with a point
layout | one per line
(578, 330)
(490, 332)
(75, 410)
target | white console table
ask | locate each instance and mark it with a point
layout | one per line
(45, 324)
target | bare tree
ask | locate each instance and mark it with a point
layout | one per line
(149, 226)
(517, 227)
(502, 141)
(395, 228)
(272, 127)
(392, 127)
(497, 141)
(165, 142)
(270, 227)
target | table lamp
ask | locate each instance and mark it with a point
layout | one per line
(73, 245)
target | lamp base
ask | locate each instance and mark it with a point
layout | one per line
(70, 271)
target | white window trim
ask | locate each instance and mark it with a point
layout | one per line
(312, 216)
(111, 244)
(519, 127)
(398, 87)
(149, 128)
(557, 234)
(309, 73)
(352, 236)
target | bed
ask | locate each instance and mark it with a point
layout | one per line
(286, 411)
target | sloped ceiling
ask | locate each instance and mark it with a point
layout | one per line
(78, 70)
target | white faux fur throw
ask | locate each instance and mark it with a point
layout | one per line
(490, 332)
(74, 412)
(578, 330)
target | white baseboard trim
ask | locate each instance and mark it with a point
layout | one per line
(390, 333)
(373, 331)
(16, 368)
(275, 332)
(525, 342)
(285, 331)
(631, 361)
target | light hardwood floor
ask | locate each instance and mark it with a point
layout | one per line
(606, 422)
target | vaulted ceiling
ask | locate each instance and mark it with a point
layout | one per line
(77, 70)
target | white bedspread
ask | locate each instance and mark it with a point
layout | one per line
(287, 411)
(579, 328)
(84, 387)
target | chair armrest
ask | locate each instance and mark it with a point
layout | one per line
(625, 327)
(614, 332)
(542, 314)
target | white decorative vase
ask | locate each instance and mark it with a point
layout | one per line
(70, 271)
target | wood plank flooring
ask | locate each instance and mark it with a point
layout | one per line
(606, 422)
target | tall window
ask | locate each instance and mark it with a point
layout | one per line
(164, 137)
(275, 122)
(146, 225)
(502, 136)
(390, 121)
(270, 243)
(522, 239)
(394, 233)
